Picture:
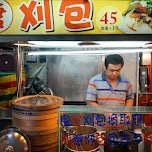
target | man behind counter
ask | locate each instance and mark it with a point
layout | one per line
(110, 88)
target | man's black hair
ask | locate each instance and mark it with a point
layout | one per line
(114, 59)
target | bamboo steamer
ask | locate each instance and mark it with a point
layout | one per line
(37, 117)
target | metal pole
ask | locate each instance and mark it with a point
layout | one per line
(137, 82)
(19, 71)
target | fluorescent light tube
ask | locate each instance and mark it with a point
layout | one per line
(89, 52)
(107, 44)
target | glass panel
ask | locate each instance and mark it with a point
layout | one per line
(84, 128)
(96, 109)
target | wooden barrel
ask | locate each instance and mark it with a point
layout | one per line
(37, 117)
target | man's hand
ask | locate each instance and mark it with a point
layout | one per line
(92, 104)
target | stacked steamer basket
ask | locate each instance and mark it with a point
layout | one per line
(37, 117)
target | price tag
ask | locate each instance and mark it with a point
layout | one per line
(109, 19)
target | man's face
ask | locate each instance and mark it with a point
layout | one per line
(113, 71)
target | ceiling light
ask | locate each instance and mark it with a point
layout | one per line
(103, 44)
(148, 45)
(89, 52)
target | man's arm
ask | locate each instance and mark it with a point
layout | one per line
(92, 103)
(130, 102)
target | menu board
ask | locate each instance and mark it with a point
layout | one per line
(25, 17)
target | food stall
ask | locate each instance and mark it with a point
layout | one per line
(59, 45)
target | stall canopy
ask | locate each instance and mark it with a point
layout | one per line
(88, 23)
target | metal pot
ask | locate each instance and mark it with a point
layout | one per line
(14, 140)
(122, 140)
(84, 130)
(88, 133)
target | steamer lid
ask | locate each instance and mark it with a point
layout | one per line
(37, 102)
(14, 140)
